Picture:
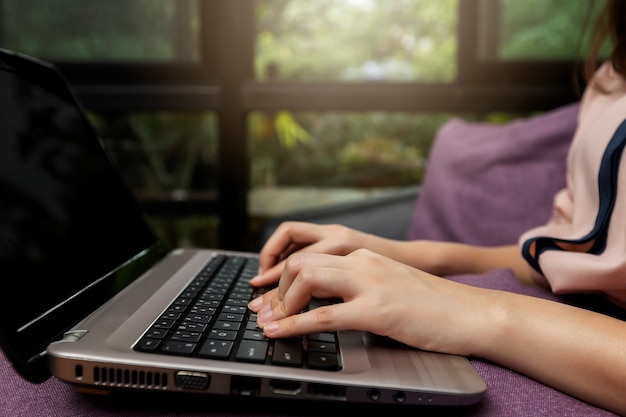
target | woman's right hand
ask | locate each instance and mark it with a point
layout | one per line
(378, 295)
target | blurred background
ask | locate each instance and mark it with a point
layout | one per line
(222, 114)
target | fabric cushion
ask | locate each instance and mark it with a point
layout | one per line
(487, 184)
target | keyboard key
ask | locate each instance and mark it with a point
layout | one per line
(252, 351)
(178, 348)
(257, 335)
(226, 325)
(237, 302)
(216, 349)
(192, 327)
(170, 316)
(230, 317)
(198, 318)
(223, 334)
(235, 309)
(148, 345)
(182, 301)
(287, 352)
(193, 337)
(323, 337)
(156, 333)
(317, 346)
(196, 309)
(176, 308)
(322, 361)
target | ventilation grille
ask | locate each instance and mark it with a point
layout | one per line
(129, 378)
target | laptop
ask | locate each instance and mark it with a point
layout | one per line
(94, 298)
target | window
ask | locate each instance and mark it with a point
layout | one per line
(206, 104)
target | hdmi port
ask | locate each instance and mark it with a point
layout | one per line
(280, 386)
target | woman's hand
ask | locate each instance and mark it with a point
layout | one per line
(292, 237)
(379, 295)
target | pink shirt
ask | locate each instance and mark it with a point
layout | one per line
(583, 246)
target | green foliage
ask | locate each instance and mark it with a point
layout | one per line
(357, 39)
(544, 29)
(137, 30)
(289, 132)
(348, 149)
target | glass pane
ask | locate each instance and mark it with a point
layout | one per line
(399, 40)
(541, 29)
(111, 30)
(306, 160)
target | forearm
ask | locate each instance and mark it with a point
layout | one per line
(449, 258)
(573, 350)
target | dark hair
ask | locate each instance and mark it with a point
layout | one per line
(609, 26)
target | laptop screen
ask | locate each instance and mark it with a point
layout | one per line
(68, 222)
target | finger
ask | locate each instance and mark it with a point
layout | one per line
(273, 304)
(333, 317)
(257, 303)
(271, 275)
(306, 276)
(288, 238)
(291, 248)
(277, 245)
(303, 238)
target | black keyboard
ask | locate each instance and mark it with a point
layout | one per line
(210, 319)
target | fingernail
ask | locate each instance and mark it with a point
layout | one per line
(265, 314)
(255, 304)
(270, 328)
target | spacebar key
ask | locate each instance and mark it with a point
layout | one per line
(252, 351)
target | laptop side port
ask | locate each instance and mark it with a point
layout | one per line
(245, 385)
(336, 392)
(283, 387)
(193, 380)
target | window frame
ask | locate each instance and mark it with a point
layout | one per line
(223, 82)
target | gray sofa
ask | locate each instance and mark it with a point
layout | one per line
(387, 215)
